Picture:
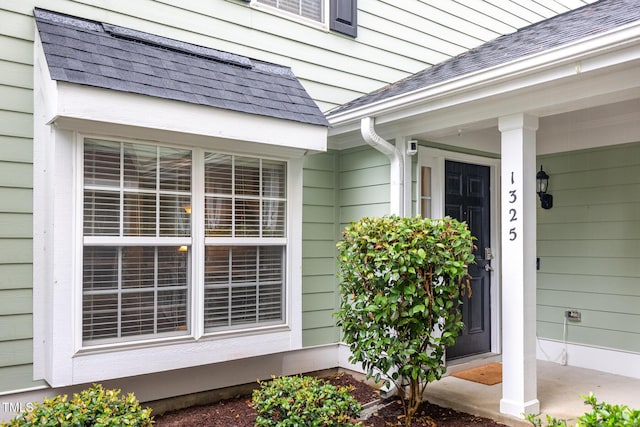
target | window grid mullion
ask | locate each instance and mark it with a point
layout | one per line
(233, 196)
(158, 191)
(260, 200)
(258, 283)
(119, 295)
(121, 192)
(155, 290)
(230, 296)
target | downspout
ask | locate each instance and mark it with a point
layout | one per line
(396, 175)
(396, 190)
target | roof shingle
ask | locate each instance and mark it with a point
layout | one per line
(108, 56)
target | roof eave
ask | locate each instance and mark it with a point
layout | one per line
(562, 61)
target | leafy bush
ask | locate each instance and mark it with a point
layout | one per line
(602, 415)
(92, 407)
(400, 288)
(303, 401)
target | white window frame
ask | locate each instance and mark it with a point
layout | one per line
(324, 25)
(197, 241)
(64, 360)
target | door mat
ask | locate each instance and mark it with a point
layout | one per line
(490, 374)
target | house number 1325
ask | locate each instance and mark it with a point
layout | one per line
(513, 213)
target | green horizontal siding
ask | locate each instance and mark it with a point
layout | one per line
(16, 251)
(16, 225)
(589, 248)
(364, 184)
(17, 378)
(16, 352)
(15, 276)
(14, 149)
(16, 327)
(16, 200)
(15, 301)
(319, 234)
(16, 75)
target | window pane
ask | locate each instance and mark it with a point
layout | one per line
(140, 166)
(101, 213)
(247, 218)
(172, 311)
(137, 313)
(274, 179)
(175, 170)
(153, 195)
(101, 163)
(308, 8)
(243, 305)
(138, 267)
(271, 273)
(218, 216)
(273, 220)
(173, 266)
(175, 215)
(247, 176)
(312, 9)
(216, 278)
(218, 174)
(99, 316)
(243, 264)
(292, 6)
(100, 268)
(243, 285)
(134, 291)
(139, 214)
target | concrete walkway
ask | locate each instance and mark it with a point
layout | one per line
(559, 391)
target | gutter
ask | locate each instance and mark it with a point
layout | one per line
(396, 174)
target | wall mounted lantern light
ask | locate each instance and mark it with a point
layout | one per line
(546, 200)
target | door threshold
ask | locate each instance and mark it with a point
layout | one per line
(464, 363)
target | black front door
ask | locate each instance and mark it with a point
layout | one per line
(467, 199)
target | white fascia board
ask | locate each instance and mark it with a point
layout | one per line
(589, 54)
(97, 105)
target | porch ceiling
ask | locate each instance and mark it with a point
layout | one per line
(574, 109)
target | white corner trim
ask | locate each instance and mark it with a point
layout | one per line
(613, 361)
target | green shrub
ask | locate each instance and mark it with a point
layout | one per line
(95, 407)
(602, 415)
(401, 280)
(304, 401)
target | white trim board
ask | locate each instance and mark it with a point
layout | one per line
(608, 360)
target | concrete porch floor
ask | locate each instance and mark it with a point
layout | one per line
(559, 391)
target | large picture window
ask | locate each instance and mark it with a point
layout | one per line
(140, 251)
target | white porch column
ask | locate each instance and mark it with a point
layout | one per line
(518, 154)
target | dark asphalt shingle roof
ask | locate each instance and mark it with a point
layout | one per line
(568, 27)
(112, 57)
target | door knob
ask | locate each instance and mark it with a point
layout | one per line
(488, 267)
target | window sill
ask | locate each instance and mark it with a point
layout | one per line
(109, 362)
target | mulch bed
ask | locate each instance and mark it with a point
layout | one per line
(239, 413)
